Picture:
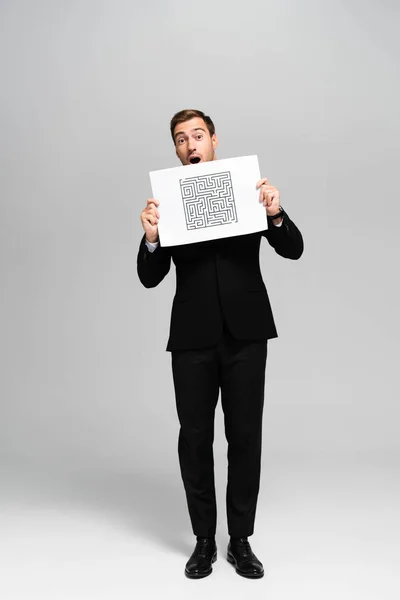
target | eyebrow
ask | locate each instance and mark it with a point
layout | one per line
(182, 132)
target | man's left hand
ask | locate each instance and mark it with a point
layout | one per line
(269, 196)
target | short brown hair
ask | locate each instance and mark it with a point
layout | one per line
(190, 113)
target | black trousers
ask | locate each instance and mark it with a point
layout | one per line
(238, 369)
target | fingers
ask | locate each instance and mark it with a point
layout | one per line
(150, 215)
(269, 195)
(152, 219)
(261, 182)
(268, 191)
(151, 204)
(151, 201)
(151, 207)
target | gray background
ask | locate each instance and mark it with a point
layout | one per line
(92, 502)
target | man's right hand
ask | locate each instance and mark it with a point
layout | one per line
(149, 218)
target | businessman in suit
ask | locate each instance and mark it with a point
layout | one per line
(221, 322)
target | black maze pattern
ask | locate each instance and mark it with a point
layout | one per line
(208, 200)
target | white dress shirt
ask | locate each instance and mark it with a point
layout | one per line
(153, 245)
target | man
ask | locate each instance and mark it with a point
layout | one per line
(221, 321)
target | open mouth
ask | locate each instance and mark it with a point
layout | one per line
(194, 160)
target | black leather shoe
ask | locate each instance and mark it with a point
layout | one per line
(200, 563)
(243, 558)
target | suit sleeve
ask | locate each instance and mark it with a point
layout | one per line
(152, 267)
(286, 240)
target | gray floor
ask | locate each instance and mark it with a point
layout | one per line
(321, 532)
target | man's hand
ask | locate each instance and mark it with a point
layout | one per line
(149, 218)
(270, 197)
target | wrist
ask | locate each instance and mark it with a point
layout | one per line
(152, 240)
(277, 218)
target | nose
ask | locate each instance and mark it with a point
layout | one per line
(191, 145)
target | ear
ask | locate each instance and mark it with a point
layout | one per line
(214, 141)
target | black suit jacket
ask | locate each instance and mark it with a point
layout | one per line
(216, 280)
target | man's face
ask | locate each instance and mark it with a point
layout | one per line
(193, 142)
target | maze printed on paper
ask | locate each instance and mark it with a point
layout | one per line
(208, 200)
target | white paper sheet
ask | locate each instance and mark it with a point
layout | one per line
(209, 200)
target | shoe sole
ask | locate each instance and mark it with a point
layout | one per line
(232, 560)
(201, 575)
